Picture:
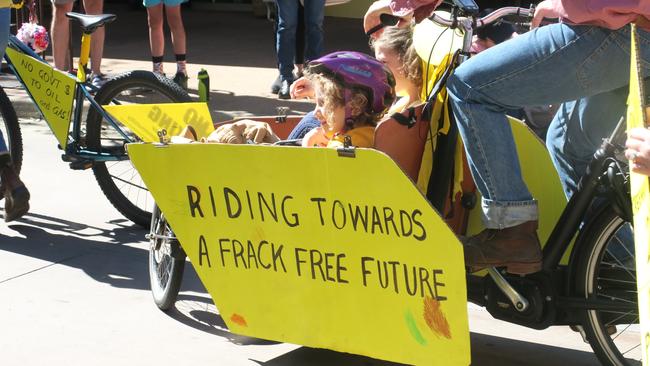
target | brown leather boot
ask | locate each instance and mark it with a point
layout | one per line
(516, 248)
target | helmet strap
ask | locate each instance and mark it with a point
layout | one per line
(349, 120)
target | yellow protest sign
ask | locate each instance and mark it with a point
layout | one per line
(52, 91)
(640, 192)
(145, 120)
(309, 247)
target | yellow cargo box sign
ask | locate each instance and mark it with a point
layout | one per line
(308, 247)
(145, 120)
(640, 191)
(52, 90)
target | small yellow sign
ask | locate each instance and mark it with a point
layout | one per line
(52, 91)
(640, 191)
(309, 247)
(145, 120)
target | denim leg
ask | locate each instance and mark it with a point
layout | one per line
(314, 15)
(5, 16)
(549, 65)
(286, 37)
(577, 131)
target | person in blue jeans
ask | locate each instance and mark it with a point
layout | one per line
(15, 193)
(314, 11)
(584, 67)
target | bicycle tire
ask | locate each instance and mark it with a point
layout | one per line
(603, 274)
(11, 132)
(166, 262)
(141, 87)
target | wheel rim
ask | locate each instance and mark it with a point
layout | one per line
(614, 278)
(126, 178)
(161, 253)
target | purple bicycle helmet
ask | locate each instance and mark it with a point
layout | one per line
(358, 70)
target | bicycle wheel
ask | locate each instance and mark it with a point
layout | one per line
(606, 271)
(11, 132)
(119, 180)
(166, 261)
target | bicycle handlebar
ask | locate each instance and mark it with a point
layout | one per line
(488, 19)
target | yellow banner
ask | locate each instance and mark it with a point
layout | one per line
(640, 192)
(308, 247)
(51, 90)
(145, 120)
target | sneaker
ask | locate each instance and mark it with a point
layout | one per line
(277, 83)
(181, 80)
(98, 80)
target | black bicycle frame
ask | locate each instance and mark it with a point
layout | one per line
(574, 213)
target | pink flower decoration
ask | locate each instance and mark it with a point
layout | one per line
(34, 35)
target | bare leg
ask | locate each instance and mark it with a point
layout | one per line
(177, 29)
(97, 42)
(156, 36)
(60, 36)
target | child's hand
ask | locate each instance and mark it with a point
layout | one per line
(302, 89)
(315, 138)
(638, 150)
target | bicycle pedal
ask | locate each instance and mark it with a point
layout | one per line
(81, 164)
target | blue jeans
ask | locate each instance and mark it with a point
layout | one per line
(5, 20)
(286, 33)
(584, 67)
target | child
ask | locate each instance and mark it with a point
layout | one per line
(352, 92)
(394, 48)
(157, 38)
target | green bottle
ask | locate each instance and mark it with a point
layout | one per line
(204, 85)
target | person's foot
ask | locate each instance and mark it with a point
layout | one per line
(98, 80)
(277, 83)
(517, 248)
(181, 80)
(16, 203)
(285, 90)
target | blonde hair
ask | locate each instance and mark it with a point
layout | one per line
(333, 94)
(400, 40)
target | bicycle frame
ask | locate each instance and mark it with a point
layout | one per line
(82, 92)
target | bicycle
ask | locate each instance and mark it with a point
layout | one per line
(585, 283)
(99, 144)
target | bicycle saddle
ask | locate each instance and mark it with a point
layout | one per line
(90, 23)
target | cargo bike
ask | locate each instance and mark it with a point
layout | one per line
(357, 250)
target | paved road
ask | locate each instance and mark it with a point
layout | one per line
(74, 289)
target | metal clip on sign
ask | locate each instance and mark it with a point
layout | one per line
(162, 138)
(282, 114)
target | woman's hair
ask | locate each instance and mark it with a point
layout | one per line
(332, 92)
(400, 40)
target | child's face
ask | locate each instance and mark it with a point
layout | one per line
(332, 121)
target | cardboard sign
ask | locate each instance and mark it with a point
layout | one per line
(302, 245)
(52, 91)
(640, 192)
(145, 120)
